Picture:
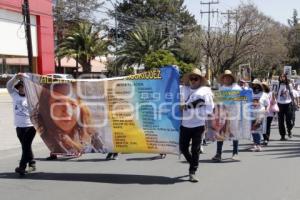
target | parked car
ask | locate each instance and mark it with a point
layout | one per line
(6, 75)
(4, 78)
(63, 76)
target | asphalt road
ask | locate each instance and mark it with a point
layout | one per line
(269, 175)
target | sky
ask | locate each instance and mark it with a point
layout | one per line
(279, 10)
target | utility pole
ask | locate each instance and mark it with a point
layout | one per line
(209, 12)
(77, 53)
(116, 71)
(116, 35)
(26, 18)
(229, 14)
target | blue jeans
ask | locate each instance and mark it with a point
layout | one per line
(235, 144)
(256, 138)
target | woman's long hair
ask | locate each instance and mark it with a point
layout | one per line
(286, 81)
(50, 130)
(266, 88)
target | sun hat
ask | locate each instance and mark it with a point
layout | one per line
(197, 72)
(227, 73)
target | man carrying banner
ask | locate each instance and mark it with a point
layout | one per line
(25, 130)
(198, 104)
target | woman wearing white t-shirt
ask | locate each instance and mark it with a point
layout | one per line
(285, 104)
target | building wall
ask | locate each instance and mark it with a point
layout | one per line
(41, 10)
(12, 38)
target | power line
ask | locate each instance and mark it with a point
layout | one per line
(209, 12)
(229, 14)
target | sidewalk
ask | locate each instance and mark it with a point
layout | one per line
(3, 91)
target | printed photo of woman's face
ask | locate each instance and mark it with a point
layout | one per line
(64, 109)
(66, 121)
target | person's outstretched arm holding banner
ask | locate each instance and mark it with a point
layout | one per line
(24, 127)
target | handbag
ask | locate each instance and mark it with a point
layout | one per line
(273, 106)
(293, 105)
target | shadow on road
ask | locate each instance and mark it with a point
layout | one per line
(224, 161)
(98, 178)
(73, 160)
(145, 158)
(281, 150)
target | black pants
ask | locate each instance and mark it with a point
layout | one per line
(186, 135)
(26, 136)
(235, 144)
(268, 129)
(285, 114)
(109, 155)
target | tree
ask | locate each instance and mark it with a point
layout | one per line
(68, 14)
(76, 10)
(171, 16)
(159, 59)
(293, 43)
(189, 49)
(145, 39)
(145, 26)
(246, 42)
(163, 58)
(83, 43)
(185, 68)
(270, 56)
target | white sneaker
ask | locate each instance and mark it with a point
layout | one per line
(193, 178)
(201, 150)
(258, 149)
(235, 157)
(254, 148)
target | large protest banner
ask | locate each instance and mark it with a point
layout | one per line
(231, 119)
(138, 113)
(288, 71)
(274, 86)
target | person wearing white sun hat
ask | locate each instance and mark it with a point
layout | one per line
(197, 105)
(228, 82)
